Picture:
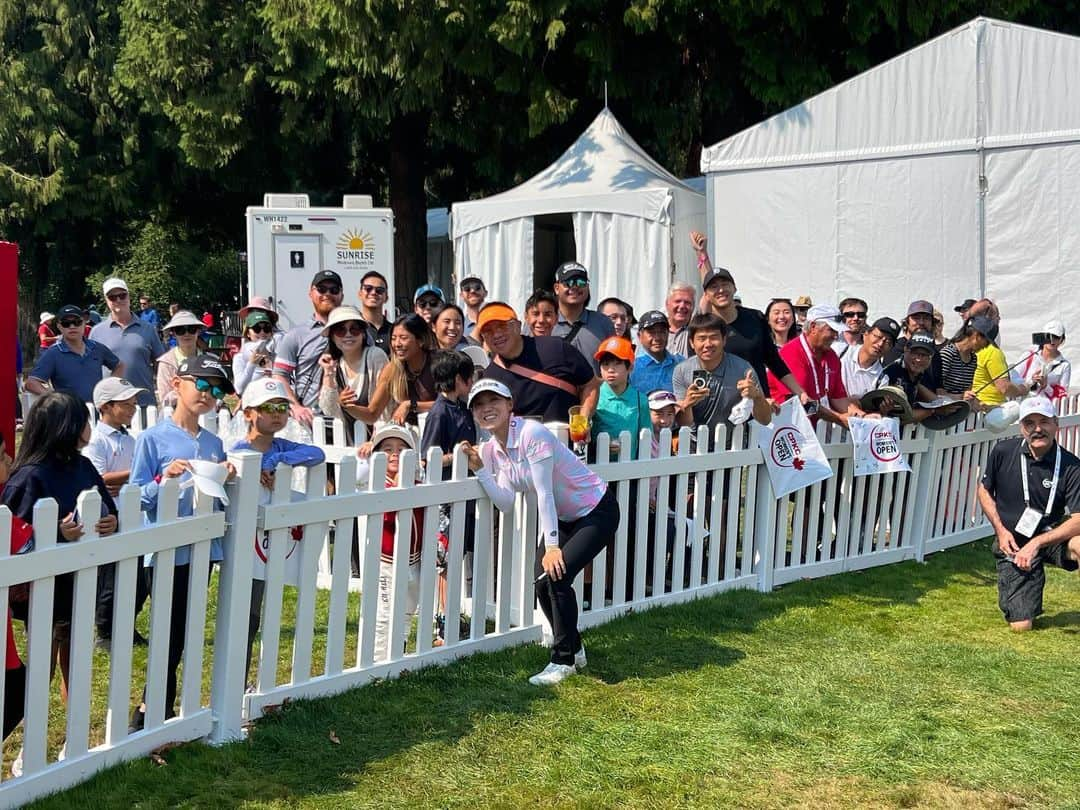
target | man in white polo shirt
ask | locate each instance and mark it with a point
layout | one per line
(860, 368)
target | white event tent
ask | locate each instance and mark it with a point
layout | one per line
(949, 172)
(630, 222)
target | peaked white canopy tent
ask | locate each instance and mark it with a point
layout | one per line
(949, 172)
(630, 220)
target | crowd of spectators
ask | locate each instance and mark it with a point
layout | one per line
(699, 358)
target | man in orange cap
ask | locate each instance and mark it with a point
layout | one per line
(546, 375)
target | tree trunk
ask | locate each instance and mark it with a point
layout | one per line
(408, 171)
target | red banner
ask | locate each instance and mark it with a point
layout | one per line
(9, 293)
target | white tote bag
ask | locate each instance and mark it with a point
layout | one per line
(877, 446)
(793, 454)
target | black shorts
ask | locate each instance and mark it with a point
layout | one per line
(1020, 593)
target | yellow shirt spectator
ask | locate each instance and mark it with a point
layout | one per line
(990, 363)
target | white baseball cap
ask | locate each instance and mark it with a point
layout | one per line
(114, 284)
(1055, 328)
(1039, 405)
(480, 386)
(829, 315)
(114, 389)
(392, 430)
(263, 389)
(660, 399)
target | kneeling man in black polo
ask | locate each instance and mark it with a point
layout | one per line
(1029, 485)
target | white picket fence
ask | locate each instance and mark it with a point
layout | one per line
(739, 536)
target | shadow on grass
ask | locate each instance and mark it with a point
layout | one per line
(1068, 619)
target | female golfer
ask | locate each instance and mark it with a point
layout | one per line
(578, 514)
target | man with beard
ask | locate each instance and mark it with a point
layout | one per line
(546, 375)
(296, 363)
(861, 367)
(584, 329)
(1030, 493)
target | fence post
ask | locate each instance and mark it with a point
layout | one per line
(234, 600)
(764, 514)
(923, 492)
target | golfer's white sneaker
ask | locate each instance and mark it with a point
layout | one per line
(552, 674)
(17, 765)
(580, 662)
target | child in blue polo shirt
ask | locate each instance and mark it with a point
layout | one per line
(165, 451)
(620, 406)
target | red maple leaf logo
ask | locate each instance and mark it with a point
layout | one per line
(798, 463)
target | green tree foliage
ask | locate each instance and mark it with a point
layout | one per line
(163, 262)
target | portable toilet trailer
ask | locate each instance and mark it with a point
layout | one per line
(288, 242)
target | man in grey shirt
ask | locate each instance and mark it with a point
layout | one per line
(585, 329)
(712, 382)
(296, 363)
(134, 341)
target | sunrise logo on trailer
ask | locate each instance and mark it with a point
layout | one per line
(356, 249)
(786, 449)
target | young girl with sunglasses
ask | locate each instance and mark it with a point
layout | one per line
(351, 370)
(186, 328)
(165, 451)
(256, 357)
(266, 410)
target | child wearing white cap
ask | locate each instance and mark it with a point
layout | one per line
(393, 440)
(266, 410)
(110, 450)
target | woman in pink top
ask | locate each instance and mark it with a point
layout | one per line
(578, 514)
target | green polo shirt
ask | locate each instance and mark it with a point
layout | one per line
(618, 412)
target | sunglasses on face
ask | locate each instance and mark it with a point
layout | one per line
(262, 327)
(273, 407)
(67, 324)
(471, 288)
(428, 303)
(576, 282)
(120, 296)
(854, 314)
(186, 330)
(371, 289)
(328, 289)
(202, 385)
(342, 329)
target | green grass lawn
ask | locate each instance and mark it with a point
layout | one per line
(894, 687)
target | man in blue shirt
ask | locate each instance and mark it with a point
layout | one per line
(147, 313)
(654, 365)
(73, 363)
(135, 342)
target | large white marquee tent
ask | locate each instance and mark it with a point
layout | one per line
(631, 221)
(948, 172)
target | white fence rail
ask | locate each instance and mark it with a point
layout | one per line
(321, 642)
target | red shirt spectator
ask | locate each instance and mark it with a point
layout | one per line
(819, 379)
(46, 336)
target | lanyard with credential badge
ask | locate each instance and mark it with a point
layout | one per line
(1053, 482)
(821, 392)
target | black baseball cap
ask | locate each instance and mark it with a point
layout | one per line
(717, 274)
(326, 275)
(472, 280)
(964, 307)
(888, 326)
(205, 366)
(69, 311)
(653, 317)
(984, 326)
(923, 341)
(569, 270)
